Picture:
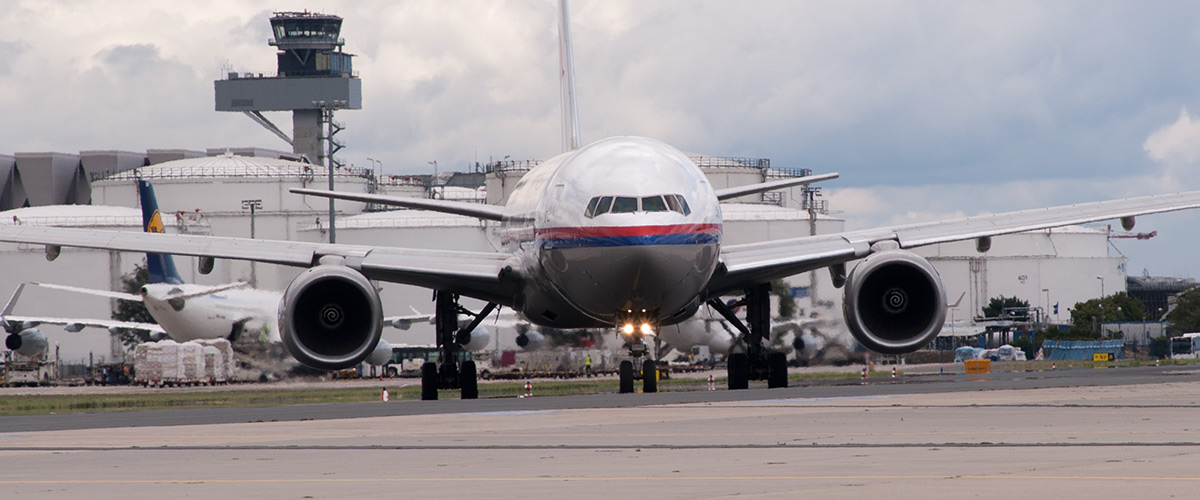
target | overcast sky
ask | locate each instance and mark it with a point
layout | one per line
(928, 109)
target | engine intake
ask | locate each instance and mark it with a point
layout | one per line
(894, 302)
(330, 317)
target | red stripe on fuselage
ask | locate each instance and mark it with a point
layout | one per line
(626, 231)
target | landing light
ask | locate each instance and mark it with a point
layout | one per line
(646, 330)
(628, 329)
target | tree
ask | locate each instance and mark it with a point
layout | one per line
(787, 304)
(1007, 307)
(1185, 317)
(1119, 307)
(132, 310)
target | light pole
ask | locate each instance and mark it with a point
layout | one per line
(327, 108)
(253, 205)
(373, 163)
(433, 180)
(1101, 278)
(1047, 309)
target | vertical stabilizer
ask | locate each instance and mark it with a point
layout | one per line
(160, 267)
(566, 70)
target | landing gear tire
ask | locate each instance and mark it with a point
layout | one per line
(466, 379)
(777, 370)
(429, 382)
(626, 372)
(649, 376)
(739, 371)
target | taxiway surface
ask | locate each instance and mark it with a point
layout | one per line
(1116, 433)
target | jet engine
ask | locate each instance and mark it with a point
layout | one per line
(30, 342)
(531, 340)
(894, 302)
(480, 337)
(330, 317)
(381, 354)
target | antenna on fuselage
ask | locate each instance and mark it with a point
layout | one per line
(566, 74)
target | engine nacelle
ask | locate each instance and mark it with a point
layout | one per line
(30, 342)
(381, 354)
(480, 337)
(894, 302)
(330, 317)
(531, 340)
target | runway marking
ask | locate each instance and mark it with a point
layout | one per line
(675, 478)
(636, 446)
(512, 412)
(814, 400)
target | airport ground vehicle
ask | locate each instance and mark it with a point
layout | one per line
(28, 373)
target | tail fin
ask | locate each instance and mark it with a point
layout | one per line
(161, 267)
(566, 68)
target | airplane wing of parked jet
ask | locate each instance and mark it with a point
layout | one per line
(24, 337)
(77, 324)
(193, 291)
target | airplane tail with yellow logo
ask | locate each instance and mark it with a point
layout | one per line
(160, 266)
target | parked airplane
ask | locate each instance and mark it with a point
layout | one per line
(186, 312)
(24, 336)
(625, 232)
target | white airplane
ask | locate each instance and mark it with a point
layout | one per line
(625, 232)
(25, 338)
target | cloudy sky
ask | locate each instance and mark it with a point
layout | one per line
(928, 109)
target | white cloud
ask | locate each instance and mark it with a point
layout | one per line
(1176, 147)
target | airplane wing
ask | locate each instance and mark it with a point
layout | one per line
(210, 290)
(487, 276)
(90, 291)
(479, 210)
(734, 192)
(77, 324)
(743, 265)
(404, 322)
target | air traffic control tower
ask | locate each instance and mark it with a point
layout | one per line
(313, 79)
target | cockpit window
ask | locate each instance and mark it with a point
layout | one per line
(672, 203)
(624, 205)
(600, 205)
(653, 204)
(683, 204)
(604, 205)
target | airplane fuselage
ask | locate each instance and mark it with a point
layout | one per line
(626, 229)
(240, 311)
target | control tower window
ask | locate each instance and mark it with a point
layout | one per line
(653, 204)
(624, 205)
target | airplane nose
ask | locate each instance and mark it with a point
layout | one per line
(661, 278)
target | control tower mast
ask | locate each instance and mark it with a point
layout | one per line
(313, 79)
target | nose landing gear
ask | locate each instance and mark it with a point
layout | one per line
(635, 341)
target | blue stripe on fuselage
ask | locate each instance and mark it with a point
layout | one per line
(630, 241)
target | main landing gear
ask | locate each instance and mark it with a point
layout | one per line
(749, 359)
(635, 342)
(448, 373)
